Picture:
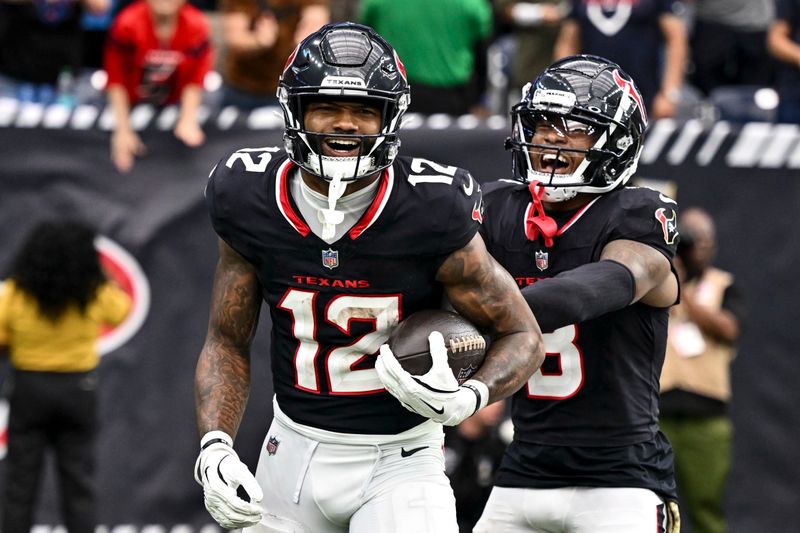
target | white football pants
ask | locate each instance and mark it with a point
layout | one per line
(318, 481)
(573, 510)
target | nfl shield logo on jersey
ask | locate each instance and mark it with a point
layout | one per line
(272, 445)
(330, 258)
(541, 260)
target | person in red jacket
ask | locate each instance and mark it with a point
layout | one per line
(158, 52)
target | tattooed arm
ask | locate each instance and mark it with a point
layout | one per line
(222, 377)
(222, 384)
(479, 288)
(482, 291)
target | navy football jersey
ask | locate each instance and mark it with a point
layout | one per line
(333, 305)
(589, 415)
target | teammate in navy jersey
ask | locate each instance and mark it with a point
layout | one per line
(343, 239)
(593, 258)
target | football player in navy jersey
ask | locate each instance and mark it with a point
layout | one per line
(343, 239)
(593, 258)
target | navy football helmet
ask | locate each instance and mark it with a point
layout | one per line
(343, 61)
(586, 94)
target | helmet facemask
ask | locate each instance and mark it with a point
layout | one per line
(556, 151)
(375, 151)
(577, 129)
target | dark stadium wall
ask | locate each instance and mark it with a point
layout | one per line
(148, 441)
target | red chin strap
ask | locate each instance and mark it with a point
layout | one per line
(538, 222)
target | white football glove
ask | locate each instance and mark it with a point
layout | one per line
(436, 394)
(220, 472)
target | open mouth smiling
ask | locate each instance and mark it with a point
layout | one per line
(341, 147)
(554, 163)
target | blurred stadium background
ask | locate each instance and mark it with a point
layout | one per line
(725, 153)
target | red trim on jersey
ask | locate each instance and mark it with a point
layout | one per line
(576, 216)
(285, 206)
(374, 211)
(532, 394)
(559, 371)
(570, 222)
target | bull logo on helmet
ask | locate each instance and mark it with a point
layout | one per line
(630, 89)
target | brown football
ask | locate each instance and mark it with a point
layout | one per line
(466, 347)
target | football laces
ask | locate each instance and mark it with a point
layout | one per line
(469, 342)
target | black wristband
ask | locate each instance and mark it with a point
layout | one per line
(478, 398)
(213, 441)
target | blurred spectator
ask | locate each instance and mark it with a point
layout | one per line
(472, 452)
(535, 26)
(158, 52)
(258, 37)
(695, 381)
(784, 44)
(443, 46)
(729, 43)
(51, 311)
(40, 42)
(344, 10)
(95, 30)
(636, 35)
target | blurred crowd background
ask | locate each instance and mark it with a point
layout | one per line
(732, 60)
(710, 59)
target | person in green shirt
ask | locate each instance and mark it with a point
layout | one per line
(442, 45)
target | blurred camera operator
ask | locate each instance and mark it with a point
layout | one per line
(695, 381)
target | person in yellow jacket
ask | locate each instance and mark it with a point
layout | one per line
(695, 380)
(52, 307)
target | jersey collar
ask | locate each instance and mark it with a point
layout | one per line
(376, 208)
(295, 220)
(578, 214)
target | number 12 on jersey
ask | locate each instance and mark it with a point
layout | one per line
(382, 312)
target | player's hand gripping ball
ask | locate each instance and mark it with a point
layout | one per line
(466, 347)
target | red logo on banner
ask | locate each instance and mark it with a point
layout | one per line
(125, 271)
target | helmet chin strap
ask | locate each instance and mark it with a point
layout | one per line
(331, 217)
(537, 221)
